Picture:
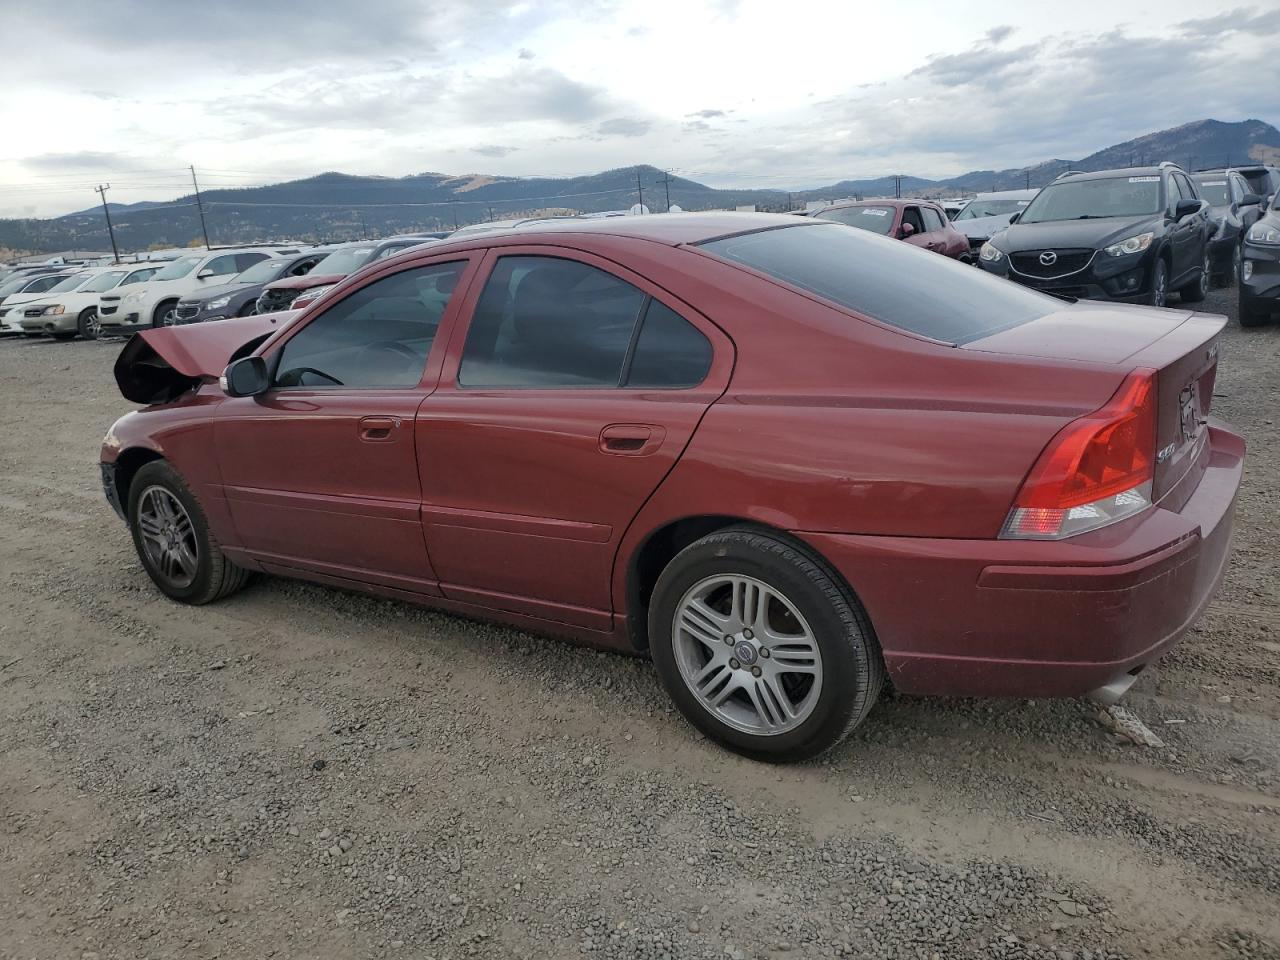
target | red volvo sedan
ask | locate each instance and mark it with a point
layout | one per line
(789, 459)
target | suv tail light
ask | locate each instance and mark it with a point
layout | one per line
(1097, 470)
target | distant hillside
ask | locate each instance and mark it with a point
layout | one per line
(334, 206)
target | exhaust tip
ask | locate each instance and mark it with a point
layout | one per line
(1111, 693)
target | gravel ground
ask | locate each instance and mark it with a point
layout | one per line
(299, 772)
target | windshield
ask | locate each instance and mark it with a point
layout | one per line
(1217, 192)
(263, 272)
(876, 219)
(71, 283)
(990, 208)
(104, 281)
(179, 268)
(343, 261)
(1091, 199)
(946, 300)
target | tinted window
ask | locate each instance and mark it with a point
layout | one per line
(545, 322)
(932, 219)
(876, 219)
(378, 336)
(1188, 191)
(43, 284)
(1088, 199)
(670, 351)
(893, 282)
(246, 260)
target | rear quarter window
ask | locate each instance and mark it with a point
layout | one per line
(887, 280)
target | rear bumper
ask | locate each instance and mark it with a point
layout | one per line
(1017, 618)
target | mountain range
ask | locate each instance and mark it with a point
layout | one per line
(336, 206)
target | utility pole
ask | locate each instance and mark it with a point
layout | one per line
(639, 189)
(453, 205)
(897, 185)
(102, 189)
(200, 206)
(1028, 173)
(666, 183)
(364, 227)
(491, 213)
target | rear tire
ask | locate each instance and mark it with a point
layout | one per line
(173, 539)
(807, 642)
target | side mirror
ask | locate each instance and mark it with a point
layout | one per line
(906, 230)
(1186, 208)
(204, 274)
(246, 377)
(1250, 200)
(1015, 217)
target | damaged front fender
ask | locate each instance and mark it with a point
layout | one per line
(157, 366)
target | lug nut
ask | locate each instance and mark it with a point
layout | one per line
(734, 664)
(728, 640)
(764, 652)
(748, 634)
(755, 671)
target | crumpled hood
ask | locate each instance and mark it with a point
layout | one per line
(983, 227)
(160, 365)
(305, 282)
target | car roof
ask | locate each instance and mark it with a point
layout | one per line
(1007, 194)
(673, 229)
(1116, 173)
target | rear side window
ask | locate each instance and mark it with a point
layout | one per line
(548, 322)
(670, 351)
(892, 282)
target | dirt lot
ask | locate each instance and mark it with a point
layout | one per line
(299, 772)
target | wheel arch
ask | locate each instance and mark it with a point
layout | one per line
(652, 555)
(128, 463)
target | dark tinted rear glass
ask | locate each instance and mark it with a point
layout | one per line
(888, 280)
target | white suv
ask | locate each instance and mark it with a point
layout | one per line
(152, 304)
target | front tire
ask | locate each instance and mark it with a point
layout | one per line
(173, 539)
(165, 315)
(1198, 289)
(761, 647)
(1159, 293)
(87, 324)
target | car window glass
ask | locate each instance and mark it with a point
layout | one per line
(246, 260)
(1186, 188)
(378, 336)
(932, 220)
(67, 284)
(138, 276)
(44, 283)
(669, 352)
(548, 322)
(303, 267)
(220, 266)
(876, 219)
(950, 301)
(103, 282)
(911, 215)
(1175, 193)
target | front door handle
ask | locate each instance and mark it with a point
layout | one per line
(378, 429)
(631, 439)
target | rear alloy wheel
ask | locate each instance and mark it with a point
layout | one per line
(88, 325)
(1159, 284)
(173, 539)
(1198, 289)
(166, 314)
(761, 647)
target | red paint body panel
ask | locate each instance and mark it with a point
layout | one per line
(894, 457)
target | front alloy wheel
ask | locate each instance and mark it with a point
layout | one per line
(168, 538)
(1159, 284)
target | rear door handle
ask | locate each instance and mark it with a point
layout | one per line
(378, 429)
(631, 439)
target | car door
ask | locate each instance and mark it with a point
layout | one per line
(911, 215)
(320, 472)
(1183, 234)
(563, 404)
(935, 236)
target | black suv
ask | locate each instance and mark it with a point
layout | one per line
(1260, 269)
(1131, 235)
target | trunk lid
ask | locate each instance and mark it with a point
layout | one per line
(1181, 346)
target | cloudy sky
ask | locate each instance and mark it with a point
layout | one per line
(730, 93)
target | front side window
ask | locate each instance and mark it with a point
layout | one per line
(220, 266)
(548, 322)
(911, 216)
(932, 219)
(942, 299)
(377, 337)
(178, 269)
(876, 219)
(1093, 199)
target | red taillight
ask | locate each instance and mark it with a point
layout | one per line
(1098, 468)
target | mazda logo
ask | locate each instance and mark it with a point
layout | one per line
(1048, 258)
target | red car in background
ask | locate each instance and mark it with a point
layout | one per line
(790, 460)
(921, 223)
